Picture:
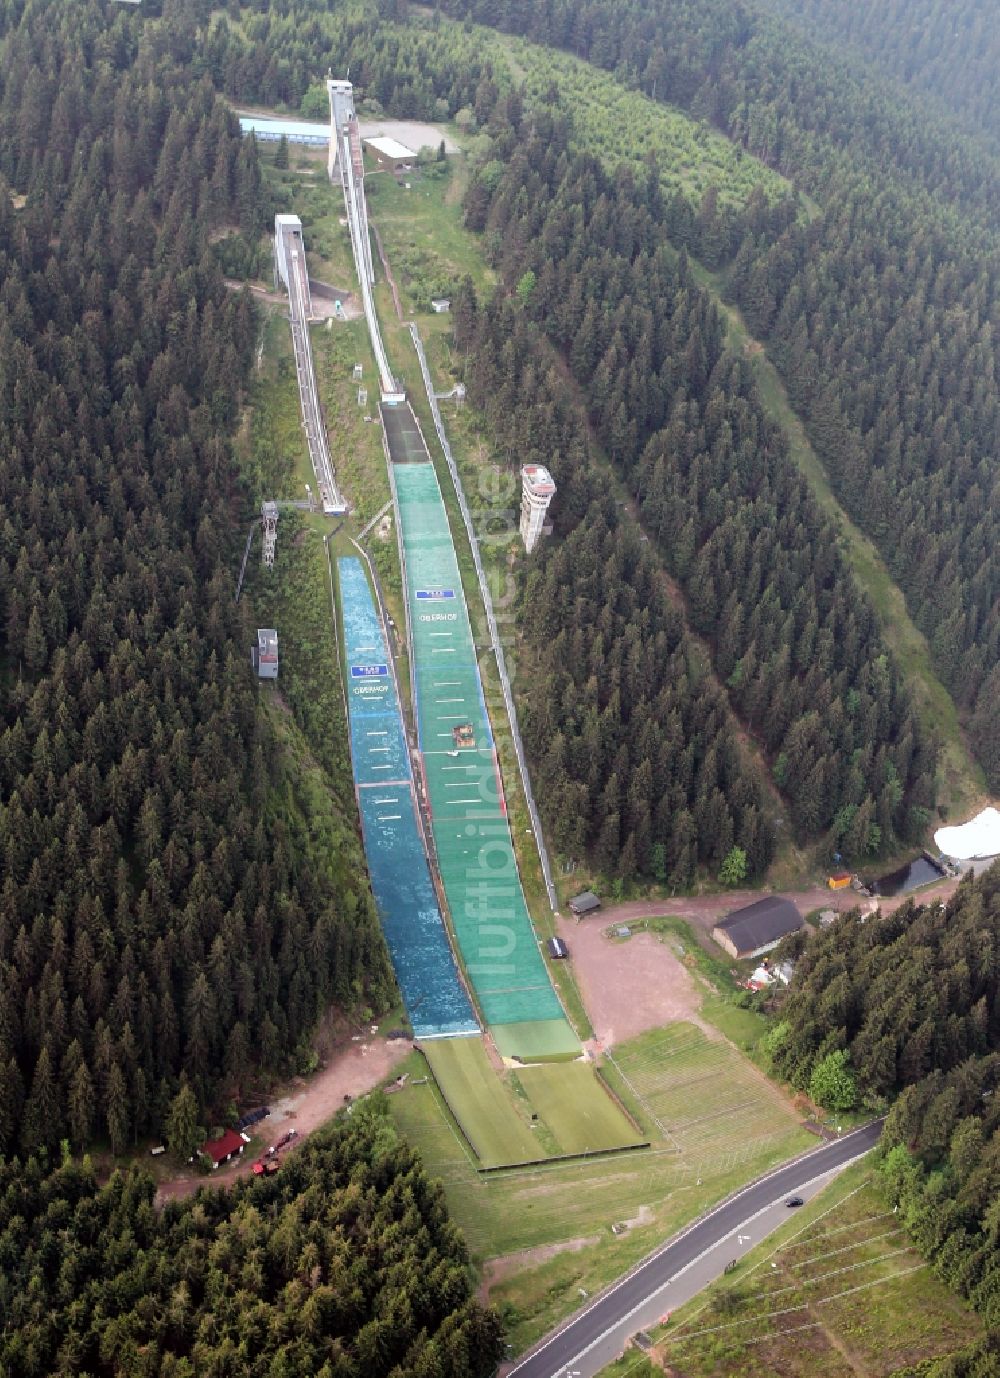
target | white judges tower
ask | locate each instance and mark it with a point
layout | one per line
(537, 491)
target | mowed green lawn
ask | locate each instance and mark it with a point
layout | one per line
(481, 1102)
(512, 1118)
(576, 1108)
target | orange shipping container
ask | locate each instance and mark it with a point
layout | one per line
(840, 882)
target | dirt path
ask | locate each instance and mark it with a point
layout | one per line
(497, 1270)
(323, 298)
(707, 910)
(350, 1072)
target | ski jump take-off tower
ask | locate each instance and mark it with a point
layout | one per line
(346, 155)
(290, 268)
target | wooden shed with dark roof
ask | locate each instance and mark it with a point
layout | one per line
(758, 927)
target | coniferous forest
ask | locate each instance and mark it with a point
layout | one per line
(904, 1008)
(946, 49)
(637, 758)
(880, 309)
(678, 415)
(160, 912)
(167, 917)
(344, 1265)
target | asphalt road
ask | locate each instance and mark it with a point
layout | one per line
(598, 1333)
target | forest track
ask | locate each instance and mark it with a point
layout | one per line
(352, 1071)
(962, 787)
(705, 911)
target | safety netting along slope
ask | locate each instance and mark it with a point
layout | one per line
(472, 838)
(436, 1001)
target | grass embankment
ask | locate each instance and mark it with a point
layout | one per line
(837, 1291)
(713, 1122)
(431, 250)
(482, 1103)
(276, 456)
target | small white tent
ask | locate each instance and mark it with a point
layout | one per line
(979, 837)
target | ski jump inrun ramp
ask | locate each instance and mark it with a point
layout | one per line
(346, 155)
(290, 265)
(457, 760)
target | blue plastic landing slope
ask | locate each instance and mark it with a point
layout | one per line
(435, 999)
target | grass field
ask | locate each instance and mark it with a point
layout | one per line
(837, 1293)
(511, 1118)
(431, 251)
(570, 1100)
(702, 1096)
(557, 1217)
(481, 1102)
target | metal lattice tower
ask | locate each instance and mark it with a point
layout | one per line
(269, 521)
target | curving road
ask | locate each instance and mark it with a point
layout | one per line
(596, 1335)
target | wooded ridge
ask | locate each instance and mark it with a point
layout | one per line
(160, 911)
(678, 415)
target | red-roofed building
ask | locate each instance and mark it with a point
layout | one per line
(230, 1145)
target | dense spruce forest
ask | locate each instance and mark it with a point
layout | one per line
(949, 49)
(882, 311)
(279, 53)
(907, 1005)
(635, 752)
(733, 521)
(344, 1265)
(161, 911)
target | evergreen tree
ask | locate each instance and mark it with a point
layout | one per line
(184, 1133)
